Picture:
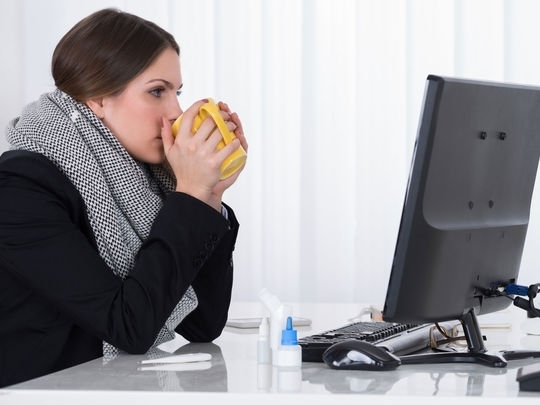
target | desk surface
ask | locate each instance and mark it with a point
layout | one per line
(234, 370)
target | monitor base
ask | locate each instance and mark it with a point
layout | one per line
(491, 360)
(476, 353)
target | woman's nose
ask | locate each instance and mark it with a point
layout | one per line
(174, 110)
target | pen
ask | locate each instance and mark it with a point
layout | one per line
(180, 358)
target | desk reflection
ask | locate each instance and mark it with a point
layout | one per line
(205, 376)
(466, 379)
(125, 372)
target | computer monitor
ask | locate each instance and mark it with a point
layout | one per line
(466, 208)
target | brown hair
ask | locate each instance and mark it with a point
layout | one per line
(104, 51)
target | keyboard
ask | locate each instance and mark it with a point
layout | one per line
(397, 338)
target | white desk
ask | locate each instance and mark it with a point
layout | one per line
(233, 375)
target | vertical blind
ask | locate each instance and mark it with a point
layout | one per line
(329, 92)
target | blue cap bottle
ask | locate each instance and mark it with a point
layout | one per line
(289, 352)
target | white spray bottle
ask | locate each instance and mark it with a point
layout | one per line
(278, 319)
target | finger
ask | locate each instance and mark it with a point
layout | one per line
(229, 148)
(187, 118)
(210, 143)
(239, 130)
(231, 126)
(166, 134)
(205, 131)
(224, 106)
(224, 111)
(238, 123)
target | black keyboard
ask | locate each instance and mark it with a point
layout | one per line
(397, 338)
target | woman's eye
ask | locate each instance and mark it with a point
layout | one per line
(178, 93)
(157, 92)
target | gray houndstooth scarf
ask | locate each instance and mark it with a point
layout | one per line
(122, 195)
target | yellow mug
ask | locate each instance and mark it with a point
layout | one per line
(210, 109)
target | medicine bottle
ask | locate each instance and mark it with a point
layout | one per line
(289, 361)
(289, 351)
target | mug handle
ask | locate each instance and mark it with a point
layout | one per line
(211, 109)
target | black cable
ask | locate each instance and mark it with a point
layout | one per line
(528, 304)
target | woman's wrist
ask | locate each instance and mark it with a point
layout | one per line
(206, 197)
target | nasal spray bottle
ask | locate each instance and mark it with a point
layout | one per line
(264, 357)
(289, 352)
(289, 361)
(278, 318)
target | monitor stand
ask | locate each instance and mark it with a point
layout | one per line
(477, 352)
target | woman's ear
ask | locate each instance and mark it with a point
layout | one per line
(96, 105)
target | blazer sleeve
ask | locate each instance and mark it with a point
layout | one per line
(47, 244)
(213, 286)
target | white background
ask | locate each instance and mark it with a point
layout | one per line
(329, 92)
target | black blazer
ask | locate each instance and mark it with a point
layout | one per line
(58, 298)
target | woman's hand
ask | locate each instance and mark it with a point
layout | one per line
(194, 158)
(235, 125)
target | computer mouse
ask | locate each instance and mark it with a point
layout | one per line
(355, 354)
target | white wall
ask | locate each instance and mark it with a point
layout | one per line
(329, 92)
(10, 67)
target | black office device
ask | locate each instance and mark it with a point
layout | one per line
(357, 354)
(466, 209)
(395, 337)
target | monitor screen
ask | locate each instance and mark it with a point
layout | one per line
(467, 204)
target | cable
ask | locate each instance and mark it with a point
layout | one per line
(447, 337)
(514, 289)
(523, 303)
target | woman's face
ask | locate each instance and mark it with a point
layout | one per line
(134, 115)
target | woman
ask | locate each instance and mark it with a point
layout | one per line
(113, 234)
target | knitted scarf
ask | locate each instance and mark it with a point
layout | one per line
(122, 195)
